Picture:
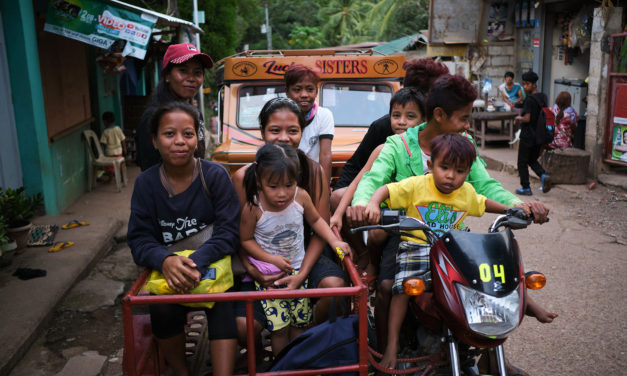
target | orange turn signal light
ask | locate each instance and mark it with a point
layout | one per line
(414, 286)
(535, 281)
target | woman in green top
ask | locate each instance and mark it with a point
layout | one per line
(448, 110)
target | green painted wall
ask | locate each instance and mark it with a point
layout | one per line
(69, 163)
(28, 100)
(56, 169)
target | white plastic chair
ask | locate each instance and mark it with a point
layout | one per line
(118, 164)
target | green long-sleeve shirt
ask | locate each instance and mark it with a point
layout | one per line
(395, 164)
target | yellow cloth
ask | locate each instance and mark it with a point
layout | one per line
(112, 138)
(421, 199)
(220, 281)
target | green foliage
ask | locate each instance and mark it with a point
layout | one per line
(397, 18)
(303, 37)
(18, 208)
(344, 21)
(4, 237)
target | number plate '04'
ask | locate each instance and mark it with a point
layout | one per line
(485, 272)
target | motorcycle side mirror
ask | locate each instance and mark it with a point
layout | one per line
(411, 224)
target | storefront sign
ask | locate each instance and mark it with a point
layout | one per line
(259, 68)
(619, 129)
(100, 24)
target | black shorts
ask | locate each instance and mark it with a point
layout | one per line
(326, 266)
(387, 266)
(240, 306)
(168, 320)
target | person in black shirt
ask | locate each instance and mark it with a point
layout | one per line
(529, 149)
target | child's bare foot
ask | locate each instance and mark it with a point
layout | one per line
(540, 314)
(389, 359)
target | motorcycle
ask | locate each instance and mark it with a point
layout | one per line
(476, 299)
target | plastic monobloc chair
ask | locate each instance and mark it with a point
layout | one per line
(100, 160)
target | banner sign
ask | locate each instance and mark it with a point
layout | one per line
(273, 67)
(99, 24)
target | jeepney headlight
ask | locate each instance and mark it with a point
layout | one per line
(490, 315)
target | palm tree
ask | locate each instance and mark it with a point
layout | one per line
(383, 12)
(343, 20)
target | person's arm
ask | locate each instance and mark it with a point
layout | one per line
(520, 96)
(265, 280)
(248, 222)
(319, 225)
(316, 244)
(381, 173)
(373, 210)
(238, 183)
(336, 219)
(492, 206)
(325, 155)
(485, 185)
(142, 237)
(225, 238)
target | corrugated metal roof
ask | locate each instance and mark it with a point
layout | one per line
(162, 19)
(400, 44)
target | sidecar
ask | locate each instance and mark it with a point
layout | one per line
(141, 354)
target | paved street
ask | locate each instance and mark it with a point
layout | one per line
(581, 250)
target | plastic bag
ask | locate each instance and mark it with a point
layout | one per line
(217, 277)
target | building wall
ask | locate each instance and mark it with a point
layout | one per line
(28, 101)
(597, 85)
(500, 58)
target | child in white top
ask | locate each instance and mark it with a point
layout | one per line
(301, 85)
(271, 231)
(112, 137)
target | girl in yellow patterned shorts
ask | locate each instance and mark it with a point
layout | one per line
(271, 232)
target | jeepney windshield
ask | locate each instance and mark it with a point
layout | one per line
(251, 100)
(352, 104)
(356, 104)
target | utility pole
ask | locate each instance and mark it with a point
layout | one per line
(201, 96)
(268, 31)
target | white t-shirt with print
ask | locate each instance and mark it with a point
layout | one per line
(322, 124)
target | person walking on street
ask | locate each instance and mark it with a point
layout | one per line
(529, 149)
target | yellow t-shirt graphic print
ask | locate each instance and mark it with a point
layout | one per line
(421, 199)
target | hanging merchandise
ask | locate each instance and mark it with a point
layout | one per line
(581, 29)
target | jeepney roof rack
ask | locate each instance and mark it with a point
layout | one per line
(320, 52)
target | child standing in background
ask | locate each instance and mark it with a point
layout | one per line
(113, 139)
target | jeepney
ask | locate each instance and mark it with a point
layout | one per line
(355, 85)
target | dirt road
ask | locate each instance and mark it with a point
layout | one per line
(582, 251)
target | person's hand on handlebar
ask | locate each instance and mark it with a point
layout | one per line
(539, 210)
(373, 213)
(355, 216)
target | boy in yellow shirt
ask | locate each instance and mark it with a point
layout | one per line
(441, 199)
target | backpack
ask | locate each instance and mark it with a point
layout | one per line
(545, 126)
(330, 344)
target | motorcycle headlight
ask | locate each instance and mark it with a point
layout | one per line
(490, 315)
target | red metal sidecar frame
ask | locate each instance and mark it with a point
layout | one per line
(141, 355)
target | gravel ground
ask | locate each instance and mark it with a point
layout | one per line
(583, 253)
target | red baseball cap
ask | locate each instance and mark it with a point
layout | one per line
(180, 53)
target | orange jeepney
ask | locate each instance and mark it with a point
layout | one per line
(355, 86)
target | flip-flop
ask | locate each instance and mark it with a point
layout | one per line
(59, 246)
(73, 224)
